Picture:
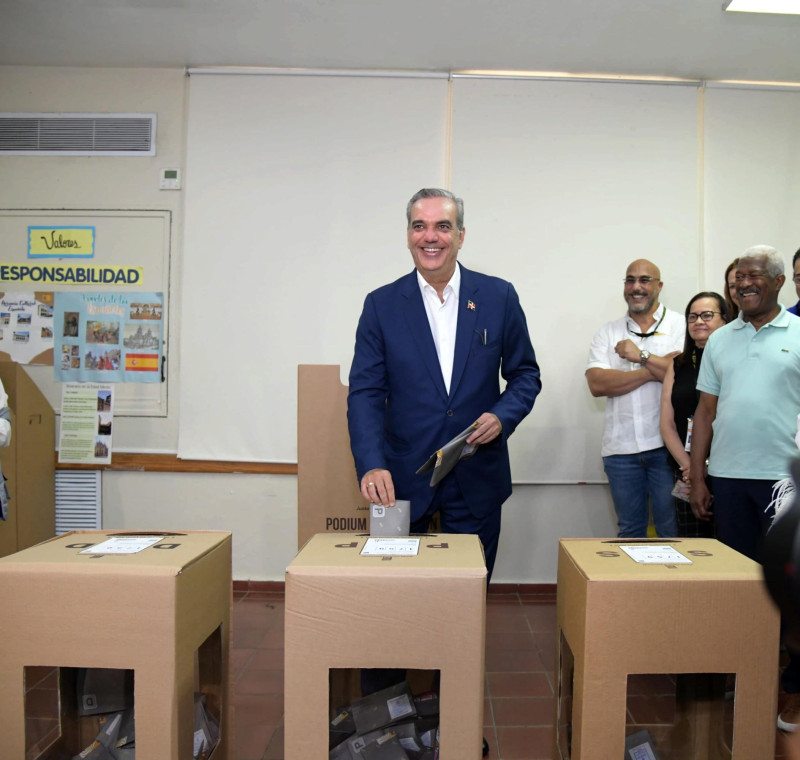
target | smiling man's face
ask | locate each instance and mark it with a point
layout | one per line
(757, 291)
(642, 286)
(434, 238)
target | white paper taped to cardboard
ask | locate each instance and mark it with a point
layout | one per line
(656, 555)
(123, 545)
(381, 547)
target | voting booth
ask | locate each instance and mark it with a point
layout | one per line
(328, 497)
(157, 619)
(423, 608)
(28, 463)
(682, 611)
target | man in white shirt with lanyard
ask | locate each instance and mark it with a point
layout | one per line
(627, 362)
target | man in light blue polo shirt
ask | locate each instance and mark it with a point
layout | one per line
(750, 394)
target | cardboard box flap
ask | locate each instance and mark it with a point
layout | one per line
(605, 559)
(169, 556)
(460, 555)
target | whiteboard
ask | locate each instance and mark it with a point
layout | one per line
(295, 208)
(122, 238)
(566, 183)
(752, 177)
(295, 197)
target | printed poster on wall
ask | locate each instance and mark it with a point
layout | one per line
(26, 327)
(87, 417)
(108, 337)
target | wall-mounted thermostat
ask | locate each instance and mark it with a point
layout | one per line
(170, 179)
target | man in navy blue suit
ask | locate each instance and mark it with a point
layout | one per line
(430, 350)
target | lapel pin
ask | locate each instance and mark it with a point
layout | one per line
(470, 305)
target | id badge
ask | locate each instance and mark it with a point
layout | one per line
(688, 445)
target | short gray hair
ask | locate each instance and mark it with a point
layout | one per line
(436, 192)
(773, 258)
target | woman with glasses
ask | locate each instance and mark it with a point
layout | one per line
(705, 313)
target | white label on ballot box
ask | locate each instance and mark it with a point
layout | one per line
(394, 547)
(123, 545)
(649, 554)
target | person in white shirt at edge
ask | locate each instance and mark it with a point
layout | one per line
(783, 491)
(627, 363)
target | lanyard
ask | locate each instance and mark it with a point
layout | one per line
(653, 331)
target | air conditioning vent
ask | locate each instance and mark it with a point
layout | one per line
(78, 134)
(78, 500)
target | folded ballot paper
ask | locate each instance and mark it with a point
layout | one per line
(447, 457)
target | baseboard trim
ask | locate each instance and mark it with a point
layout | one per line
(258, 587)
(495, 589)
(523, 589)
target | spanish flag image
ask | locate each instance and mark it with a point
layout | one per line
(141, 362)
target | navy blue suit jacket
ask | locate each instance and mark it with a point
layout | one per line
(399, 412)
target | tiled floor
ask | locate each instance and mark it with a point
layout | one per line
(520, 647)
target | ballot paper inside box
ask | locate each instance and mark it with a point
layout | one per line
(384, 708)
(416, 728)
(406, 740)
(391, 749)
(104, 690)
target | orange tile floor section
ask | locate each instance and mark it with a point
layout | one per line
(520, 653)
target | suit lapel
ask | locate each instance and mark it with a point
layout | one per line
(420, 330)
(465, 328)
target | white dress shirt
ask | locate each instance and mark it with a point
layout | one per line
(632, 420)
(443, 318)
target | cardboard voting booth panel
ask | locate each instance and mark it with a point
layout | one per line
(623, 617)
(28, 463)
(328, 496)
(423, 611)
(160, 618)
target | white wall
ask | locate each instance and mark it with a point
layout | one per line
(535, 517)
(261, 510)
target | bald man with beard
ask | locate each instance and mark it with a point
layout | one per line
(627, 361)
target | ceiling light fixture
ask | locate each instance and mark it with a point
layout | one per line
(763, 6)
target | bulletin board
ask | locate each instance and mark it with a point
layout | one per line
(124, 242)
(568, 183)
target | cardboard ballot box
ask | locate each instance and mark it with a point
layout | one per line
(617, 617)
(425, 611)
(162, 613)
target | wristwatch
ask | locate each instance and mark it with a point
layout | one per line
(644, 355)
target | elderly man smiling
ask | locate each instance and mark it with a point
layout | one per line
(750, 391)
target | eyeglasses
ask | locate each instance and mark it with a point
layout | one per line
(641, 280)
(706, 316)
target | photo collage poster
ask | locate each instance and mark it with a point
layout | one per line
(108, 337)
(26, 327)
